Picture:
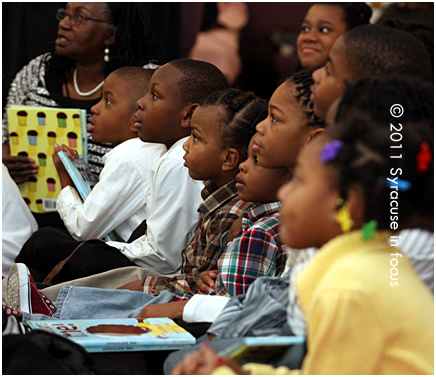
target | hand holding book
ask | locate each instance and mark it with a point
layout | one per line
(64, 176)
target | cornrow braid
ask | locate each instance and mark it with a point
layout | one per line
(302, 81)
(242, 111)
(365, 158)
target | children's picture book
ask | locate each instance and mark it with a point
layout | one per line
(80, 174)
(83, 179)
(119, 335)
(262, 349)
(33, 131)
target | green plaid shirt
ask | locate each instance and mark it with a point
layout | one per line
(220, 208)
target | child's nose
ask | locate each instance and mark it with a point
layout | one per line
(242, 167)
(94, 109)
(186, 144)
(310, 35)
(316, 75)
(140, 103)
(260, 128)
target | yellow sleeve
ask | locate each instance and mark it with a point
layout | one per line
(344, 334)
(254, 368)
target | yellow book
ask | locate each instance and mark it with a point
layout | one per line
(33, 131)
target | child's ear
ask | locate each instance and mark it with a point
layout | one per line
(187, 117)
(355, 199)
(315, 133)
(231, 159)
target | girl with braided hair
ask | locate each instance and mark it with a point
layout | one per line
(93, 40)
(365, 308)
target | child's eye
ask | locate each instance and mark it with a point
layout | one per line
(194, 136)
(273, 118)
(324, 30)
(108, 101)
(154, 95)
(305, 29)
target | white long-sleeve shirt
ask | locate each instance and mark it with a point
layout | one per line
(117, 202)
(171, 215)
(18, 223)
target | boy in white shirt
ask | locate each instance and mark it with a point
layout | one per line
(163, 116)
(117, 202)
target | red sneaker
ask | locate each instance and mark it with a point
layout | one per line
(23, 295)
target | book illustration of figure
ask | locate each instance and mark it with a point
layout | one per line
(22, 118)
(41, 118)
(62, 120)
(117, 330)
(76, 120)
(42, 159)
(72, 139)
(51, 137)
(51, 184)
(39, 205)
(27, 201)
(31, 181)
(33, 135)
(13, 137)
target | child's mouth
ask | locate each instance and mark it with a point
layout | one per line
(138, 124)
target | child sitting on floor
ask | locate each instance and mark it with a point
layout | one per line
(366, 309)
(117, 201)
(222, 127)
(163, 116)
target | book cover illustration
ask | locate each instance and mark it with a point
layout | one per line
(119, 335)
(80, 174)
(33, 131)
(84, 181)
(261, 349)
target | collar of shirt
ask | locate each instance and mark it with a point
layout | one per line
(256, 213)
(214, 197)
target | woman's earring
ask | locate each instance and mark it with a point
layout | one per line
(343, 217)
(106, 55)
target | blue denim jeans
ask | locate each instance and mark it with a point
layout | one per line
(87, 303)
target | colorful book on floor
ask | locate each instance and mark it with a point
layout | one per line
(262, 349)
(84, 181)
(119, 335)
(33, 131)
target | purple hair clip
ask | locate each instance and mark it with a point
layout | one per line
(330, 151)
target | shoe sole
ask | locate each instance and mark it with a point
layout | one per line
(18, 289)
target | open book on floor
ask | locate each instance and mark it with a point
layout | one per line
(262, 349)
(118, 335)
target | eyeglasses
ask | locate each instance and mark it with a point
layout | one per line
(76, 19)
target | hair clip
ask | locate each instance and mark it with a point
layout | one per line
(330, 151)
(423, 158)
(343, 217)
(369, 229)
(393, 183)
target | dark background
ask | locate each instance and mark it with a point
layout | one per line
(29, 28)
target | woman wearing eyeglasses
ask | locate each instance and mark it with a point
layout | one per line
(93, 40)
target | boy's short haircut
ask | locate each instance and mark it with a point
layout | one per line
(372, 50)
(138, 80)
(200, 79)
